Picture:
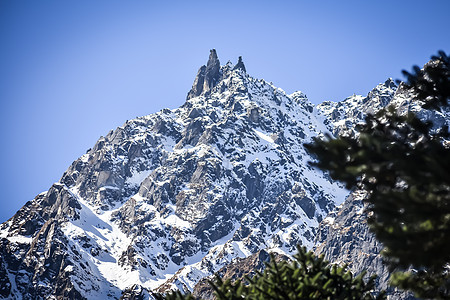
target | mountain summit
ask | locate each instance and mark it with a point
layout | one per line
(207, 76)
(169, 198)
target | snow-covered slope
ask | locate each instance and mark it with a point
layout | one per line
(171, 197)
(343, 116)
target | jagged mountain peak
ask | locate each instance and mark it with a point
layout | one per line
(213, 58)
(171, 197)
(209, 75)
(180, 191)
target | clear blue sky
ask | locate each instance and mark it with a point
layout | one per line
(72, 70)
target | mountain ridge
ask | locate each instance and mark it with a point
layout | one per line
(172, 197)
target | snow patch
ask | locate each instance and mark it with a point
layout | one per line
(264, 136)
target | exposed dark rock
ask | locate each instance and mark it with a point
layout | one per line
(240, 65)
(199, 82)
(212, 74)
(237, 269)
(344, 238)
(207, 77)
(5, 284)
(135, 292)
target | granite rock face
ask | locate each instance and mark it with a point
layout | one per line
(207, 77)
(344, 238)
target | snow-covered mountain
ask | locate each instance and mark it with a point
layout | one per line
(343, 116)
(344, 237)
(172, 197)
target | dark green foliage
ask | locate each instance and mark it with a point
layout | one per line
(404, 165)
(432, 83)
(307, 277)
(425, 284)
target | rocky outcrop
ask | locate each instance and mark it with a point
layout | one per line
(344, 238)
(238, 269)
(35, 257)
(343, 116)
(240, 65)
(207, 76)
(136, 292)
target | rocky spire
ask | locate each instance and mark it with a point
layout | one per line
(197, 87)
(207, 76)
(212, 71)
(240, 65)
